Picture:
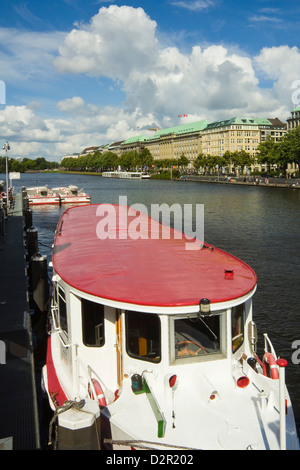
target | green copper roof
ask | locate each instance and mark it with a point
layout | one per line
(182, 129)
(240, 121)
(296, 109)
(138, 138)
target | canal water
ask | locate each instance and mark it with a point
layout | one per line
(260, 225)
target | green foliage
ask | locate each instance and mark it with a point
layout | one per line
(109, 161)
(287, 150)
(27, 164)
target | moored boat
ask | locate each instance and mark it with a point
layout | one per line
(161, 338)
(42, 195)
(72, 195)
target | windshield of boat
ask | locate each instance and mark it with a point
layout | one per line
(197, 336)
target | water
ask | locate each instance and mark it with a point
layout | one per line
(259, 225)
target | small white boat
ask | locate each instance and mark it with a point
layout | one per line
(42, 195)
(71, 195)
(159, 341)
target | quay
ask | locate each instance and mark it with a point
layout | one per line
(248, 181)
(19, 424)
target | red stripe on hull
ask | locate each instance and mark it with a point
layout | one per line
(55, 390)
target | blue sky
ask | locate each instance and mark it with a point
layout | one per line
(84, 73)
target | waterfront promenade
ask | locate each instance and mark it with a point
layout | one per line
(19, 428)
(293, 183)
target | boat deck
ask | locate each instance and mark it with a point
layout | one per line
(19, 429)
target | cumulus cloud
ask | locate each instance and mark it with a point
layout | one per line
(212, 82)
(122, 44)
(117, 41)
(70, 104)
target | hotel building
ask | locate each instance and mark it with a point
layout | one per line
(206, 138)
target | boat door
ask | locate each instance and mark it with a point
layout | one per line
(119, 347)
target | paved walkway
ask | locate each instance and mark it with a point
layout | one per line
(19, 428)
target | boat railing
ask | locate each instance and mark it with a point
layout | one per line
(268, 346)
(89, 373)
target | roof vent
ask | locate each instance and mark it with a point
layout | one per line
(229, 274)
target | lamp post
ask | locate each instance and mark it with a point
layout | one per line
(6, 147)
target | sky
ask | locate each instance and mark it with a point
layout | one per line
(77, 74)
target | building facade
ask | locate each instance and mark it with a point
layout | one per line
(206, 138)
(294, 121)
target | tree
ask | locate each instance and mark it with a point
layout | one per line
(183, 161)
(268, 152)
(199, 162)
(290, 147)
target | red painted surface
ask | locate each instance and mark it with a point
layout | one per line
(54, 388)
(145, 271)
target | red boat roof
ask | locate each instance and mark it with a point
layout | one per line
(143, 271)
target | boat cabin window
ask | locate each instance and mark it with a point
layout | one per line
(143, 333)
(199, 336)
(59, 308)
(237, 326)
(92, 323)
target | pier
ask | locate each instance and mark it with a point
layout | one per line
(19, 424)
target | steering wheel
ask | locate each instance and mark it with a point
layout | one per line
(189, 352)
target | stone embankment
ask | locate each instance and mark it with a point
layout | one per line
(293, 183)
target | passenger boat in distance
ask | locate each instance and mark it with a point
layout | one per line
(42, 195)
(72, 195)
(157, 341)
(131, 175)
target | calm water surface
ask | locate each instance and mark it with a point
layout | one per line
(259, 225)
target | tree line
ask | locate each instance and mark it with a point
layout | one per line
(27, 164)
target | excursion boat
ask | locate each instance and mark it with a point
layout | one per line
(132, 175)
(159, 340)
(42, 195)
(71, 195)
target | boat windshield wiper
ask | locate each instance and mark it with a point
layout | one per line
(209, 329)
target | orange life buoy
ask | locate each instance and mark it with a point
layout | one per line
(270, 368)
(99, 393)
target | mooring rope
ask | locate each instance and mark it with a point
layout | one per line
(61, 409)
(145, 444)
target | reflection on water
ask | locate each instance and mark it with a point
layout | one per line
(259, 225)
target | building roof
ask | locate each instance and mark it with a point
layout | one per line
(133, 140)
(277, 123)
(250, 121)
(90, 150)
(182, 129)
